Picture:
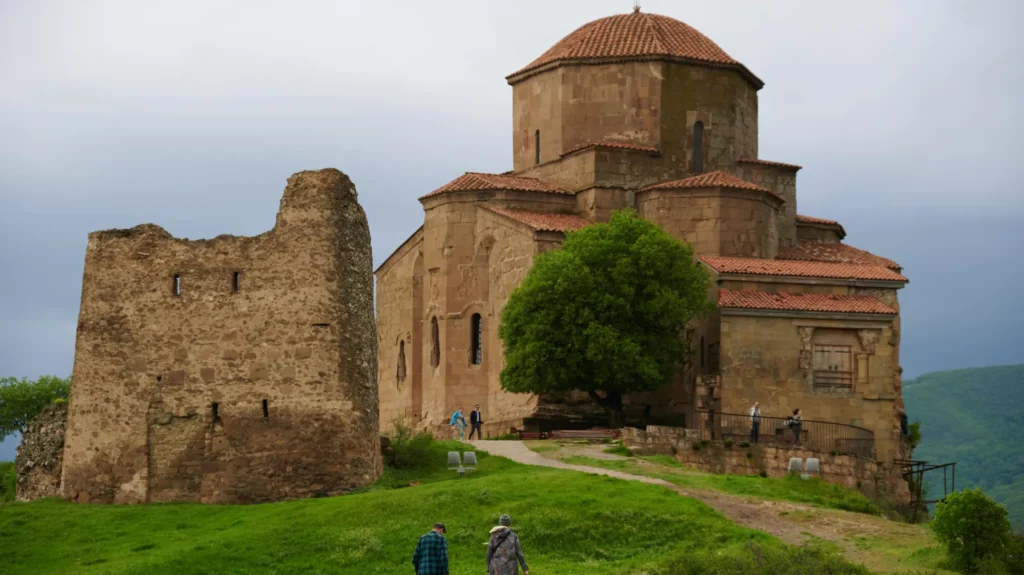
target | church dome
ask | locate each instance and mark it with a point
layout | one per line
(632, 37)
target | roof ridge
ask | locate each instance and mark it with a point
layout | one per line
(801, 268)
(713, 179)
(802, 301)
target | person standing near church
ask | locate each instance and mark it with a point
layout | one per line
(475, 421)
(755, 422)
(458, 424)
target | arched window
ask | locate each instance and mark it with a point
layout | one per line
(401, 361)
(476, 336)
(435, 343)
(698, 147)
(536, 146)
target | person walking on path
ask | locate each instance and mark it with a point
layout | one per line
(458, 424)
(796, 423)
(475, 421)
(755, 422)
(431, 555)
(504, 553)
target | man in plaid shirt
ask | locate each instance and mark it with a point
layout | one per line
(431, 556)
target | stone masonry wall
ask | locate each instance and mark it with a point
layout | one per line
(715, 457)
(715, 221)
(768, 359)
(40, 454)
(231, 370)
(400, 337)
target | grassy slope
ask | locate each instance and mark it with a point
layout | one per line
(570, 523)
(813, 491)
(882, 545)
(974, 417)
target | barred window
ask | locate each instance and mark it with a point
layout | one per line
(476, 334)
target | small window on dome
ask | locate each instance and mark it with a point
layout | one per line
(536, 146)
(698, 147)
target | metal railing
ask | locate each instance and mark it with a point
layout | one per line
(815, 435)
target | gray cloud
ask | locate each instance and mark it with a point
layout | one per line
(191, 114)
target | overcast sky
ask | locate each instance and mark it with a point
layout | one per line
(906, 116)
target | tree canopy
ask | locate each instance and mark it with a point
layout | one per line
(23, 399)
(606, 313)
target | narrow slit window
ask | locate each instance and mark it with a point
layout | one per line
(536, 146)
(176, 285)
(215, 411)
(401, 361)
(702, 351)
(698, 147)
(235, 281)
(266, 410)
(435, 343)
(476, 337)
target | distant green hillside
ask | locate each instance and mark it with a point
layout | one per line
(976, 418)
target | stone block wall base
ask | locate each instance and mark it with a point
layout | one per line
(869, 477)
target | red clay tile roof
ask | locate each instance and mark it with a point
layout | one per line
(793, 167)
(473, 181)
(611, 144)
(810, 269)
(636, 36)
(802, 302)
(809, 220)
(709, 180)
(837, 253)
(542, 221)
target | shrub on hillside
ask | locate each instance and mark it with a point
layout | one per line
(915, 434)
(8, 481)
(973, 529)
(411, 450)
(22, 399)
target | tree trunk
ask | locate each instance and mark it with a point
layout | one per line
(612, 401)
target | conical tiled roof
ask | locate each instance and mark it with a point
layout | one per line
(635, 36)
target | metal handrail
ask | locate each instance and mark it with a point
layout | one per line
(816, 435)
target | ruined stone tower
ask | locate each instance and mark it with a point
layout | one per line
(231, 370)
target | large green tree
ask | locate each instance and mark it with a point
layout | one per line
(605, 314)
(23, 399)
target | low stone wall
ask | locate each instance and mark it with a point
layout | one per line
(41, 454)
(871, 478)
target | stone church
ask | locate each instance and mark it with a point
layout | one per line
(643, 111)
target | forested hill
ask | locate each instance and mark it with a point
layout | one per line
(974, 417)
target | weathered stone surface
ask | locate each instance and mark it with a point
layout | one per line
(867, 476)
(467, 260)
(231, 370)
(38, 463)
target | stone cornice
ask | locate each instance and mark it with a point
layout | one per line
(789, 314)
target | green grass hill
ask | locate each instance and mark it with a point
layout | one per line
(974, 417)
(570, 523)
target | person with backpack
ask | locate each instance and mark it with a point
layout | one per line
(796, 423)
(458, 424)
(504, 553)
